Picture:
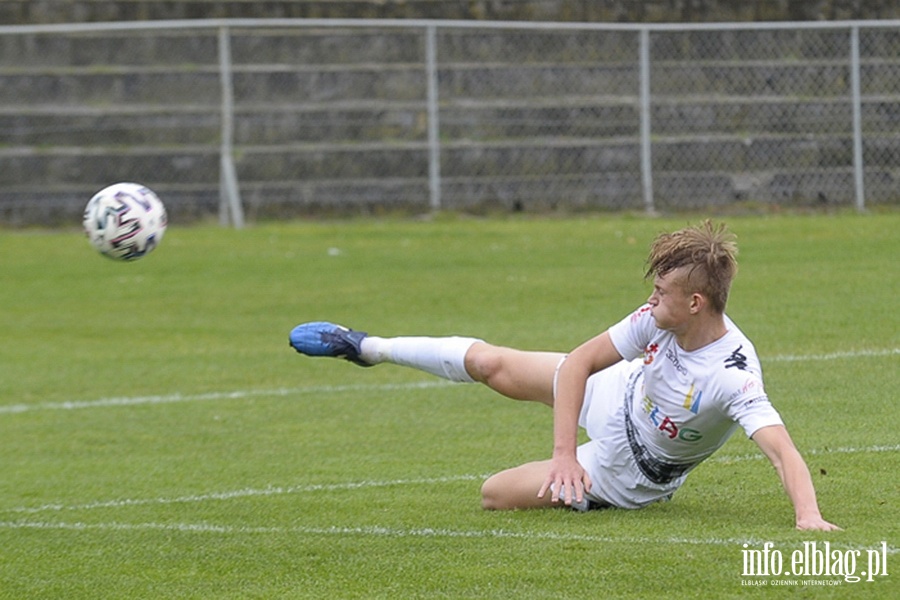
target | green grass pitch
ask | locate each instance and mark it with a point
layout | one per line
(159, 439)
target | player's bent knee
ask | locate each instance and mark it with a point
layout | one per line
(503, 491)
(492, 497)
(483, 362)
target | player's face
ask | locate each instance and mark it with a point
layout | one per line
(670, 303)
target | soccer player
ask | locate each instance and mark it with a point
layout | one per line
(657, 393)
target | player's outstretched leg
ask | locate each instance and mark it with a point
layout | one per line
(441, 356)
(518, 374)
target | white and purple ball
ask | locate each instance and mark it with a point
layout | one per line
(125, 221)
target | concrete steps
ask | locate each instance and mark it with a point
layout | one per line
(336, 120)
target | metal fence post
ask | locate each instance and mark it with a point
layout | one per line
(230, 208)
(646, 162)
(434, 143)
(858, 166)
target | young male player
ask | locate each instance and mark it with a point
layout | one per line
(657, 393)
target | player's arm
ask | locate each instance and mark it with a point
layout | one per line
(565, 474)
(776, 444)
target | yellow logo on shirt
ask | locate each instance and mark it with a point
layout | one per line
(692, 400)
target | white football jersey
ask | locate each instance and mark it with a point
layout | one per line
(685, 405)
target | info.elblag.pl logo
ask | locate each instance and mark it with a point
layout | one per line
(818, 560)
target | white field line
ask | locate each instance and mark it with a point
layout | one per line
(234, 395)
(363, 531)
(724, 459)
(349, 486)
(331, 389)
(377, 531)
(244, 493)
(832, 355)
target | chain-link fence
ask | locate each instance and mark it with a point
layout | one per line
(285, 118)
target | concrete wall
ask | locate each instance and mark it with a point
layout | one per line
(325, 125)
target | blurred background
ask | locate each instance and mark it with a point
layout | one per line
(243, 111)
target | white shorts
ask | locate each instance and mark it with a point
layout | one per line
(608, 459)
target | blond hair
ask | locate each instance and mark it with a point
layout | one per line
(710, 253)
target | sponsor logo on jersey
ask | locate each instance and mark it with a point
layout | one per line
(751, 386)
(639, 313)
(650, 352)
(673, 358)
(692, 400)
(666, 425)
(737, 360)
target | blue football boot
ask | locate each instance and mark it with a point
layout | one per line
(327, 339)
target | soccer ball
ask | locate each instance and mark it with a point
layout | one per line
(125, 221)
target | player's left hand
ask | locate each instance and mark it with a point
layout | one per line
(566, 480)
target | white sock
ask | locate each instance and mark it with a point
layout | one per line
(441, 356)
